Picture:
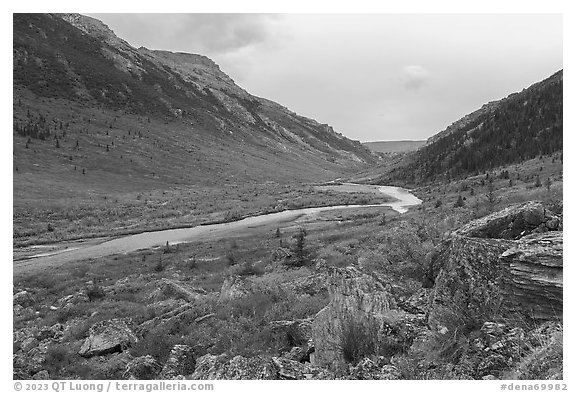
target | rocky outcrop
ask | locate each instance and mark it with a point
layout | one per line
(143, 367)
(107, 337)
(362, 318)
(485, 271)
(296, 332)
(534, 283)
(470, 284)
(513, 222)
(181, 362)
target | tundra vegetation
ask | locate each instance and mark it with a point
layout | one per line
(227, 298)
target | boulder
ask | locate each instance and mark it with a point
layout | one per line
(143, 367)
(296, 333)
(362, 318)
(512, 222)
(23, 298)
(55, 332)
(70, 300)
(214, 367)
(181, 362)
(107, 337)
(300, 354)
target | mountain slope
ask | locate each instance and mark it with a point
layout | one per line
(517, 128)
(85, 99)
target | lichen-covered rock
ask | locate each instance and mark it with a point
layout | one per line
(107, 337)
(55, 332)
(374, 369)
(143, 367)
(293, 370)
(222, 367)
(72, 299)
(181, 362)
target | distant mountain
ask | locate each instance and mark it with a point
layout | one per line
(67, 65)
(519, 127)
(394, 146)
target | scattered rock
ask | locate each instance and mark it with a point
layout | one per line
(70, 300)
(143, 367)
(171, 316)
(287, 369)
(374, 369)
(107, 337)
(222, 367)
(55, 332)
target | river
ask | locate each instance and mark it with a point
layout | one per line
(87, 249)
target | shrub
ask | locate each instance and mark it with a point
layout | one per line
(361, 339)
(159, 267)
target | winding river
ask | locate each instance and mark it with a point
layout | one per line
(403, 199)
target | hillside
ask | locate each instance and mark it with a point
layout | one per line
(121, 111)
(394, 146)
(111, 139)
(517, 128)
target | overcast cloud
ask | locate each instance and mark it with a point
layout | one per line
(373, 77)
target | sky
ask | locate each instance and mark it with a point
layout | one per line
(371, 76)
